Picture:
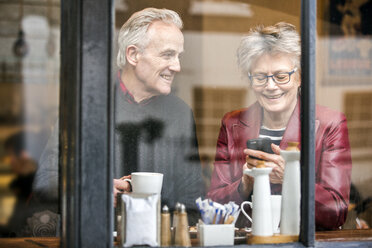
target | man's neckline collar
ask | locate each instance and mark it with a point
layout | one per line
(129, 96)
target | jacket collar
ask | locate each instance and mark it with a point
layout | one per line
(252, 116)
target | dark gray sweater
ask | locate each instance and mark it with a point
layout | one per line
(159, 136)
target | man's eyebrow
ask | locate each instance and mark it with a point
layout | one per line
(171, 51)
(168, 51)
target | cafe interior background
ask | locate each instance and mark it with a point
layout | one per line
(209, 81)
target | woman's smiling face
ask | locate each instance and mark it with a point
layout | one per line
(273, 97)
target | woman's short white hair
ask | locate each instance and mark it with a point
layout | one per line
(282, 38)
(133, 32)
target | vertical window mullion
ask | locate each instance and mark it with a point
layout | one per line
(85, 124)
(308, 37)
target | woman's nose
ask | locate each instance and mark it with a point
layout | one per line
(271, 83)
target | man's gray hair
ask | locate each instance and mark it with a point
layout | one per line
(134, 30)
(282, 38)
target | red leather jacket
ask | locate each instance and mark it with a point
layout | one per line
(332, 159)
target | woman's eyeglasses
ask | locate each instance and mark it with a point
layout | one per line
(279, 78)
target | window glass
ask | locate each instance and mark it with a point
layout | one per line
(344, 85)
(154, 129)
(29, 95)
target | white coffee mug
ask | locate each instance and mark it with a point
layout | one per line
(146, 182)
(275, 211)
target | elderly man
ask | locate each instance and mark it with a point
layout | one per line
(155, 130)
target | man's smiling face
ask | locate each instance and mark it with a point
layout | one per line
(159, 61)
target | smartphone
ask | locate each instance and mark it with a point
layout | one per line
(260, 144)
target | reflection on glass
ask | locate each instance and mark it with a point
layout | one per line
(29, 89)
(344, 72)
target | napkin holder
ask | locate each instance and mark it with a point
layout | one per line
(216, 234)
(151, 236)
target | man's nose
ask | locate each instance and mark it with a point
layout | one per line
(176, 65)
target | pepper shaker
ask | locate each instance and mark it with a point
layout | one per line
(175, 221)
(182, 237)
(166, 237)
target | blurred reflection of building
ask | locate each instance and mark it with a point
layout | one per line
(29, 84)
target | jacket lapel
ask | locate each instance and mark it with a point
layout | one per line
(317, 123)
(248, 124)
(292, 132)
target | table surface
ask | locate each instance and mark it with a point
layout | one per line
(54, 242)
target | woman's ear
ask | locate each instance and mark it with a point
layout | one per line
(132, 55)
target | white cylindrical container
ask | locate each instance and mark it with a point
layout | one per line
(261, 213)
(291, 194)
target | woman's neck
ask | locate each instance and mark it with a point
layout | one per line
(277, 120)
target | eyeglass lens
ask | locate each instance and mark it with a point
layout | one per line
(279, 78)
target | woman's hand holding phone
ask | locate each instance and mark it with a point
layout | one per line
(275, 161)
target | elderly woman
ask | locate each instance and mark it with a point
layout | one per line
(270, 58)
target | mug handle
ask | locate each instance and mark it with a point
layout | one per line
(242, 209)
(130, 182)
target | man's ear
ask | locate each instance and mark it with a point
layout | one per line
(132, 55)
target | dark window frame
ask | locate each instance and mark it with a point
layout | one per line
(86, 126)
(86, 104)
